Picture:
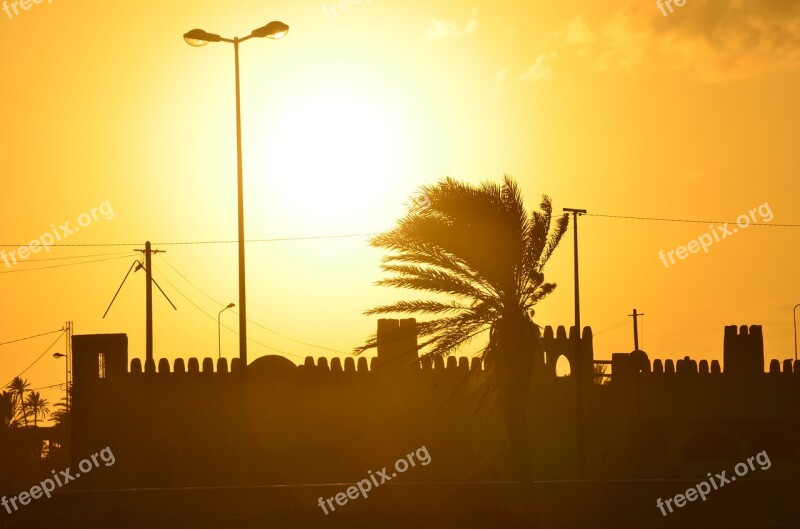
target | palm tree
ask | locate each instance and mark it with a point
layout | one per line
(61, 416)
(600, 372)
(37, 406)
(478, 251)
(18, 387)
(7, 410)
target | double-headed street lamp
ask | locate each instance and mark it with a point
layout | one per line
(199, 37)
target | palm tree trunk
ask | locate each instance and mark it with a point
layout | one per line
(513, 377)
(514, 409)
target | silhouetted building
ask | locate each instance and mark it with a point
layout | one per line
(329, 421)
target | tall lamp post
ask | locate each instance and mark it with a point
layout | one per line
(578, 369)
(197, 38)
(794, 317)
(219, 340)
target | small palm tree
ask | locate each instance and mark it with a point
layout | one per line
(7, 410)
(600, 374)
(61, 416)
(37, 406)
(479, 252)
(18, 387)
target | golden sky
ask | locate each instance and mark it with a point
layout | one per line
(605, 106)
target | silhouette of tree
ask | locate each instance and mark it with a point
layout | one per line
(599, 371)
(18, 387)
(61, 416)
(7, 410)
(478, 251)
(37, 406)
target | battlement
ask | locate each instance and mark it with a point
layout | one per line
(743, 350)
(105, 356)
(397, 349)
(320, 364)
(644, 419)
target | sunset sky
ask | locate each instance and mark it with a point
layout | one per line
(604, 106)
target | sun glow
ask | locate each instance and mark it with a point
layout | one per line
(338, 158)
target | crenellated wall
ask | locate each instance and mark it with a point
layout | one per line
(328, 420)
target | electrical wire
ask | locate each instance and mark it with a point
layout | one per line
(37, 359)
(248, 319)
(185, 243)
(50, 386)
(64, 265)
(31, 337)
(71, 257)
(624, 322)
(642, 331)
(341, 236)
(693, 221)
(213, 318)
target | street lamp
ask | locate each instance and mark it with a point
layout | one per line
(219, 342)
(794, 314)
(66, 376)
(197, 38)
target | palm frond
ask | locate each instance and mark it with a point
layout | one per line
(433, 280)
(416, 307)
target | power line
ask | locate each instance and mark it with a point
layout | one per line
(50, 386)
(63, 265)
(31, 337)
(37, 359)
(187, 243)
(617, 326)
(350, 235)
(248, 319)
(71, 257)
(693, 221)
(213, 318)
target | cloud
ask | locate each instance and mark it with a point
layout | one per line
(714, 40)
(579, 33)
(441, 29)
(731, 38)
(538, 71)
(500, 76)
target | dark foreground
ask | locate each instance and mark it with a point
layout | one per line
(594, 504)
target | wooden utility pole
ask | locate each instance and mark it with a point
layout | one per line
(148, 269)
(577, 369)
(635, 329)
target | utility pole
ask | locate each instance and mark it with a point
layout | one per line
(68, 360)
(135, 266)
(794, 320)
(639, 444)
(635, 329)
(578, 368)
(148, 270)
